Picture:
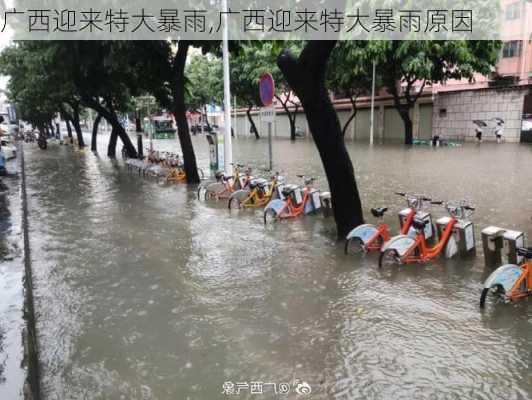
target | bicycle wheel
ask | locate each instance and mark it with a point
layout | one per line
(389, 257)
(497, 291)
(235, 203)
(270, 216)
(354, 245)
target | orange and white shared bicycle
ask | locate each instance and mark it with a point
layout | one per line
(297, 202)
(510, 282)
(225, 186)
(369, 237)
(404, 249)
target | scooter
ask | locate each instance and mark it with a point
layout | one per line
(368, 237)
(41, 141)
(405, 249)
(510, 282)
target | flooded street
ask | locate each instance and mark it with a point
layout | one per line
(142, 292)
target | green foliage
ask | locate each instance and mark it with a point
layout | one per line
(253, 59)
(29, 86)
(350, 70)
(433, 61)
(204, 81)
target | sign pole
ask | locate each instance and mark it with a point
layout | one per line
(372, 122)
(270, 145)
(267, 93)
(228, 149)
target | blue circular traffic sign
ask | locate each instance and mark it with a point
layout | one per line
(266, 89)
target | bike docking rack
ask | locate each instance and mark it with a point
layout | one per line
(497, 242)
(416, 202)
(160, 164)
(464, 235)
(463, 232)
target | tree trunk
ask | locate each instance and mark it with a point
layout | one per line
(95, 126)
(140, 149)
(77, 126)
(138, 124)
(250, 119)
(291, 118)
(206, 115)
(352, 116)
(407, 121)
(113, 139)
(117, 129)
(306, 76)
(178, 89)
(348, 122)
(69, 131)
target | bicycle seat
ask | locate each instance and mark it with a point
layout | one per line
(419, 224)
(379, 212)
(525, 252)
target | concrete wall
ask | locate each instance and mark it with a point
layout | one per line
(464, 107)
(388, 123)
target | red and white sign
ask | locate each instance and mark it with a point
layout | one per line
(267, 89)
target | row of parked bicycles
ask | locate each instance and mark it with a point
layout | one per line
(161, 165)
(280, 200)
(417, 242)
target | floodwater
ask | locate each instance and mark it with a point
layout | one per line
(142, 292)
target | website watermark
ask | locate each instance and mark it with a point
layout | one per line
(234, 388)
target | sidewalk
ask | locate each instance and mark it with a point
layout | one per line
(12, 324)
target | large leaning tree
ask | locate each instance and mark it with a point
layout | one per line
(164, 65)
(406, 67)
(306, 75)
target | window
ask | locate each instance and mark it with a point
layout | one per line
(511, 49)
(443, 112)
(513, 11)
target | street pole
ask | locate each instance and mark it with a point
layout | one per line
(228, 149)
(234, 113)
(270, 151)
(149, 124)
(372, 120)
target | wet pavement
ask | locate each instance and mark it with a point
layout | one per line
(12, 372)
(142, 292)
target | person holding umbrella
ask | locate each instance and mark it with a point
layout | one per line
(479, 125)
(499, 129)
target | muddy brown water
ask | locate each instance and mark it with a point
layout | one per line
(142, 292)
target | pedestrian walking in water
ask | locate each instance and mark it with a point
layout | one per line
(479, 125)
(499, 129)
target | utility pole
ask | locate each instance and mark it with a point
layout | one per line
(372, 120)
(228, 149)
